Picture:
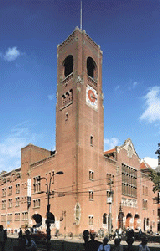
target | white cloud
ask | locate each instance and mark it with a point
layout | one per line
(152, 102)
(51, 97)
(12, 54)
(10, 146)
(135, 84)
(117, 88)
(151, 161)
(111, 143)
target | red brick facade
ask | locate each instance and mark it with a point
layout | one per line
(78, 198)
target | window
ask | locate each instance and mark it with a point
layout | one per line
(17, 201)
(90, 217)
(91, 175)
(9, 217)
(129, 181)
(66, 116)
(67, 98)
(17, 188)
(91, 140)
(17, 216)
(36, 203)
(3, 204)
(10, 203)
(25, 216)
(3, 192)
(91, 67)
(9, 190)
(3, 218)
(90, 195)
(144, 204)
(37, 184)
(68, 65)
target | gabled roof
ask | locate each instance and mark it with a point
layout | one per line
(110, 151)
(144, 165)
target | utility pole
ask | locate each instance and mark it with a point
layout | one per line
(50, 216)
(110, 205)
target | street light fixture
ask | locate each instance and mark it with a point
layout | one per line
(49, 214)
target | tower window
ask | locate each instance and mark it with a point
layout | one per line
(68, 65)
(91, 175)
(90, 195)
(91, 140)
(91, 66)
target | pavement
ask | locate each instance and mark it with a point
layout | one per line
(13, 239)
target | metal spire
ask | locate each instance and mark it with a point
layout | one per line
(81, 17)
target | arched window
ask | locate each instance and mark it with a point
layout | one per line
(68, 65)
(91, 67)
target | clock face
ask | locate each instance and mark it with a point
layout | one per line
(91, 97)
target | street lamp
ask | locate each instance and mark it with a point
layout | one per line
(50, 216)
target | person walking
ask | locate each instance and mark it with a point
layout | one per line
(30, 244)
(93, 244)
(143, 246)
(117, 245)
(3, 237)
(105, 246)
(20, 234)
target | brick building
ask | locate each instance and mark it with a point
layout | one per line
(95, 186)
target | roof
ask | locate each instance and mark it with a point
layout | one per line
(110, 151)
(144, 165)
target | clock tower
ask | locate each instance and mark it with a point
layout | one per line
(79, 118)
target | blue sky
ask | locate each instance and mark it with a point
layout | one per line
(128, 32)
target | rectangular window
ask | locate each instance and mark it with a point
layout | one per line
(17, 188)
(37, 184)
(3, 192)
(91, 173)
(90, 218)
(3, 218)
(9, 190)
(17, 216)
(36, 203)
(3, 204)
(91, 140)
(144, 204)
(17, 201)
(10, 203)
(9, 217)
(25, 216)
(90, 195)
(129, 181)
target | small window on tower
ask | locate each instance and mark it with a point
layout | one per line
(68, 65)
(66, 116)
(91, 67)
(91, 140)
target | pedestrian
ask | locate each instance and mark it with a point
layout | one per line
(105, 246)
(3, 237)
(143, 246)
(85, 238)
(93, 244)
(117, 245)
(20, 234)
(30, 244)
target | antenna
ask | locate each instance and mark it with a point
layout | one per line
(81, 17)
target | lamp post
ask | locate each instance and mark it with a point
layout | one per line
(49, 214)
